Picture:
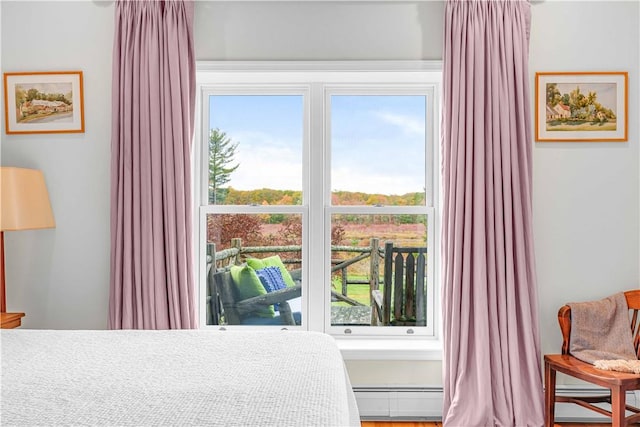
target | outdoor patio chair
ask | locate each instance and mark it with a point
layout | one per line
(225, 301)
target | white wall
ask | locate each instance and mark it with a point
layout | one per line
(60, 277)
(586, 196)
(344, 30)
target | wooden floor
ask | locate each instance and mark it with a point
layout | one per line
(439, 424)
(401, 424)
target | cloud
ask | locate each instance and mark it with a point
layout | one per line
(409, 125)
(270, 162)
(266, 162)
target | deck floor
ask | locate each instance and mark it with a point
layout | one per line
(351, 315)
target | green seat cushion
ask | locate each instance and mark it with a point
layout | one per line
(272, 261)
(249, 285)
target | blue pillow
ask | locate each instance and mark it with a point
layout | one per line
(271, 279)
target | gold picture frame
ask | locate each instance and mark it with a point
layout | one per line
(43, 102)
(581, 106)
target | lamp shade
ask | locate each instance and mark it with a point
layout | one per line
(24, 199)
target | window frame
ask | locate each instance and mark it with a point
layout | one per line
(392, 89)
(202, 202)
(337, 77)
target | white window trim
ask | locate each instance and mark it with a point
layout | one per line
(395, 88)
(387, 348)
(243, 73)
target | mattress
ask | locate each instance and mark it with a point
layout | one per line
(187, 377)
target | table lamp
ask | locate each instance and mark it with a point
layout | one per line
(24, 206)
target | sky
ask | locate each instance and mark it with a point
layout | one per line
(377, 142)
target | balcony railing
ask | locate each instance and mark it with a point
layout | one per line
(402, 303)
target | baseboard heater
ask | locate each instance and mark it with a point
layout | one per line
(425, 403)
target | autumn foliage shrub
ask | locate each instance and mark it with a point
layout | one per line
(249, 228)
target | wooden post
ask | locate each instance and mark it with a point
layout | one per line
(211, 252)
(236, 242)
(374, 266)
(374, 276)
(344, 281)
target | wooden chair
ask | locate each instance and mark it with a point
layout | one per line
(404, 284)
(227, 308)
(618, 383)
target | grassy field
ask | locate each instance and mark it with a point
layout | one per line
(400, 234)
(358, 292)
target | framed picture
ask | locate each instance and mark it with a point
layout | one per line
(581, 106)
(43, 102)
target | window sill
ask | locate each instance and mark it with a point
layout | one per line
(367, 348)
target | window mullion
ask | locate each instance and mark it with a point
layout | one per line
(317, 280)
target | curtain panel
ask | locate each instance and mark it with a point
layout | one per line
(153, 101)
(492, 368)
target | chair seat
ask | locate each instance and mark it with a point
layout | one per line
(570, 365)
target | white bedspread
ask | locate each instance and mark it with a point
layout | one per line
(173, 378)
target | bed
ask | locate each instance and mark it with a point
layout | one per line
(187, 377)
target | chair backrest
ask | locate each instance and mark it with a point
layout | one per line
(404, 284)
(633, 302)
(221, 292)
(221, 295)
(224, 298)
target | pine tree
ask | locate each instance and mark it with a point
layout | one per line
(221, 152)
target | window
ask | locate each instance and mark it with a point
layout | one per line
(316, 191)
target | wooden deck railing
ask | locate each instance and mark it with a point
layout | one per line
(404, 268)
(237, 254)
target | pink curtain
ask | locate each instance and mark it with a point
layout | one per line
(492, 370)
(153, 101)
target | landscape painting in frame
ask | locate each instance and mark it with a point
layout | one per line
(581, 106)
(43, 102)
